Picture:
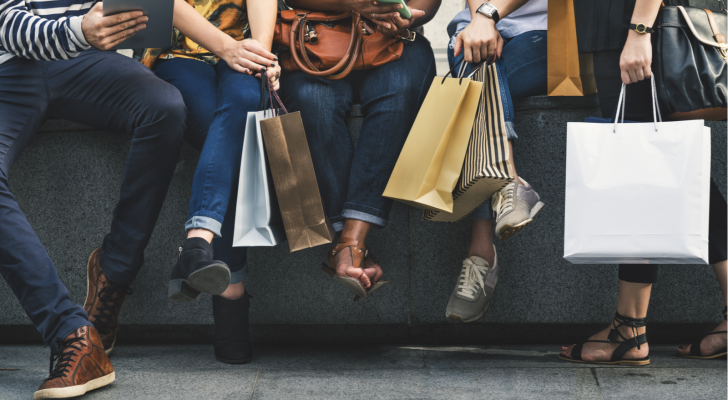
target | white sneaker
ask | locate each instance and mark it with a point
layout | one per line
(474, 290)
(515, 206)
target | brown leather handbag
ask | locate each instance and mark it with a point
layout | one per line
(335, 44)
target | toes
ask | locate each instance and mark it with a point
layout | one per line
(566, 351)
(374, 273)
(683, 350)
(358, 273)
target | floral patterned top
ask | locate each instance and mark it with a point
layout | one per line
(230, 16)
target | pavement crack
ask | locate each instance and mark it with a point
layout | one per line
(252, 392)
(596, 381)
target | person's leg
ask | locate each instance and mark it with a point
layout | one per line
(391, 96)
(718, 241)
(324, 107)
(112, 92)
(24, 263)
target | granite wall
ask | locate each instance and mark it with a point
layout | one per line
(67, 182)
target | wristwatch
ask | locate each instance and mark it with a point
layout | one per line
(641, 28)
(489, 11)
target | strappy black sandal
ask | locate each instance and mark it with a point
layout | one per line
(695, 347)
(625, 344)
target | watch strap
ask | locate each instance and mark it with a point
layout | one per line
(495, 16)
(641, 28)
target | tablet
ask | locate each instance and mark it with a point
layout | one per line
(159, 30)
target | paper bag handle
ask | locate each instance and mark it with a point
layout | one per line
(621, 104)
(461, 74)
(272, 95)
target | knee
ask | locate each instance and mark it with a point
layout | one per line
(166, 111)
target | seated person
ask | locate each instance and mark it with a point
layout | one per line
(511, 33)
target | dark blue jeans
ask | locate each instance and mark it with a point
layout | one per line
(218, 101)
(351, 179)
(521, 73)
(107, 91)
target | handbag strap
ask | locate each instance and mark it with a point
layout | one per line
(621, 105)
(352, 53)
(719, 37)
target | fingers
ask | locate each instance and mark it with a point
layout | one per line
(647, 71)
(125, 25)
(458, 44)
(255, 47)
(112, 41)
(117, 19)
(625, 77)
(488, 51)
(499, 47)
(381, 23)
(469, 56)
(381, 9)
(416, 13)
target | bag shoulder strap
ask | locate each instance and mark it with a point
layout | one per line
(697, 35)
(719, 37)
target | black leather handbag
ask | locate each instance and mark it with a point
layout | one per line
(690, 65)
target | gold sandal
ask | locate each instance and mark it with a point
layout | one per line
(359, 254)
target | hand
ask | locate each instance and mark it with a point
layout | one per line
(636, 59)
(480, 40)
(247, 56)
(104, 33)
(274, 75)
(370, 9)
(392, 24)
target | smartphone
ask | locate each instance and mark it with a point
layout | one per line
(404, 12)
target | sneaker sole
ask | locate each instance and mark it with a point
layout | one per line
(507, 231)
(181, 292)
(458, 318)
(74, 391)
(213, 279)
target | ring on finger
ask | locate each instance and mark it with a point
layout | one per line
(278, 75)
(374, 15)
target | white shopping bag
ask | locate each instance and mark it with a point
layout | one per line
(637, 193)
(257, 217)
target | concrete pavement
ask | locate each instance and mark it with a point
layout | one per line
(376, 372)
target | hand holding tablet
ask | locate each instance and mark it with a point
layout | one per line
(157, 30)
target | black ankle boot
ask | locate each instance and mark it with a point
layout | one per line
(232, 336)
(196, 271)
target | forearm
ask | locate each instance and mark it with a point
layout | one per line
(56, 40)
(193, 25)
(262, 19)
(430, 8)
(645, 12)
(504, 7)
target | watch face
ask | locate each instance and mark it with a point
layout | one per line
(487, 9)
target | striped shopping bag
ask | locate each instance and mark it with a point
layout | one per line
(487, 167)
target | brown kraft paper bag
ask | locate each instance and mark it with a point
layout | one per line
(569, 73)
(487, 167)
(295, 183)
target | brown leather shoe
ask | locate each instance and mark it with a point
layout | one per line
(81, 365)
(103, 302)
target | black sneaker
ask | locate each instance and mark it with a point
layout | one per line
(196, 271)
(232, 336)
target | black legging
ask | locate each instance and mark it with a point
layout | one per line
(639, 108)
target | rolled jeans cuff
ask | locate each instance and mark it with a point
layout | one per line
(510, 130)
(350, 213)
(238, 274)
(205, 222)
(484, 211)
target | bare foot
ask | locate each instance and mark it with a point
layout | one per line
(591, 352)
(372, 269)
(710, 344)
(345, 267)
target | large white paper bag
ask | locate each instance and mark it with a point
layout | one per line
(637, 193)
(257, 217)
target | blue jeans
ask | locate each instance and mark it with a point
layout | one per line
(109, 92)
(521, 73)
(218, 100)
(352, 180)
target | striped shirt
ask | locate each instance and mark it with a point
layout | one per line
(42, 29)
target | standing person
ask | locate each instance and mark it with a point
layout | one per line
(621, 54)
(352, 180)
(219, 86)
(513, 34)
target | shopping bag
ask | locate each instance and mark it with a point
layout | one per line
(257, 216)
(637, 193)
(294, 180)
(569, 73)
(487, 167)
(430, 162)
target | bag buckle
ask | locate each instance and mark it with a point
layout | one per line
(723, 50)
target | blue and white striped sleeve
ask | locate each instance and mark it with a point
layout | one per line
(30, 36)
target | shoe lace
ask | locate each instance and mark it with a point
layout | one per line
(62, 357)
(108, 302)
(503, 200)
(470, 277)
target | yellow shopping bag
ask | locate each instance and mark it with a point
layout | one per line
(432, 157)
